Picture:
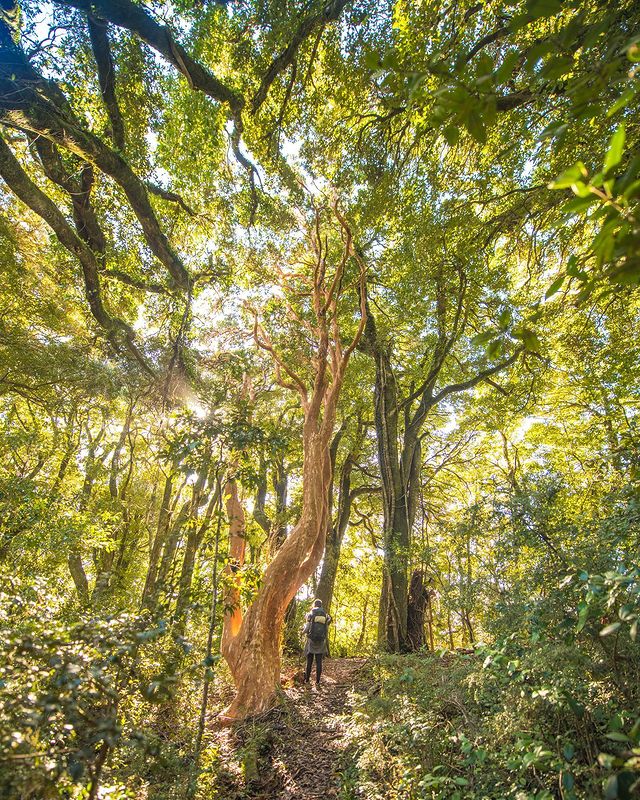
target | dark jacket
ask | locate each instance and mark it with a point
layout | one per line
(316, 647)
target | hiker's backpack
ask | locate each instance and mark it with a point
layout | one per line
(318, 626)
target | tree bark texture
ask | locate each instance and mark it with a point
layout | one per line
(251, 642)
(418, 605)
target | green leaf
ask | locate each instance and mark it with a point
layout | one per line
(625, 612)
(617, 736)
(372, 60)
(632, 191)
(633, 631)
(555, 286)
(505, 318)
(583, 616)
(621, 102)
(475, 126)
(628, 274)
(531, 341)
(505, 70)
(482, 338)
(609, 629)
(485, 65)
(574, 270)
(611, 788)
(495, 348)
(451, 134)
(557, 67)
(553, 129)
(543, 8)
(567, 178)
(578, 205)
(616, 148)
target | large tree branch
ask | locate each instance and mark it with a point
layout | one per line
(118, 275)
(118, 332)
(330, 13)
(106, 77)
(481, 376)
(37, 116)
(135, 18)
(78, 187)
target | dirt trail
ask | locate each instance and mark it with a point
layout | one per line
(296, 751)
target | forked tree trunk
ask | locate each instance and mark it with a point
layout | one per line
(251, 644)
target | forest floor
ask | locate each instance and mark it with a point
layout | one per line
(296, 751)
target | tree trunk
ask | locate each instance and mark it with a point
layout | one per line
(194, 538)
(392, 616)
(335, 535)
(251, 643)
(418, 604)
(363, 626)
(162, 530)
(74, 560)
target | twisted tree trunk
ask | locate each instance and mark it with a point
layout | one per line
(251, 642)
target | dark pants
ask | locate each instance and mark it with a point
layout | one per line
(318, 666)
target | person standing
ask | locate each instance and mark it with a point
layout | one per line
(316, 646)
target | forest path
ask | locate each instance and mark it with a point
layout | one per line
(296, 752)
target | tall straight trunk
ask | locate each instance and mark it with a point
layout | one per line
(104, 559)
(335, 535)
(162, 530)
(194, 538)
(400, 463)
(74, 560)
(392, 615)
(363, 626)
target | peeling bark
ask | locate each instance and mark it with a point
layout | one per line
(251, 641)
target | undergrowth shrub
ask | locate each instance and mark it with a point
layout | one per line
(553, 713)
(88, 702)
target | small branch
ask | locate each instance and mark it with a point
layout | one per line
(262, 340)
(118, 275)
(172, 197)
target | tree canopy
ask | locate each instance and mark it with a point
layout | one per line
(320, 299)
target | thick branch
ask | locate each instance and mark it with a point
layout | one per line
(36, 106)
(78, 186)
(330, 13)
(18, 181)
(134, 17)
(118, 275)
(481, 376)
(106, 77)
